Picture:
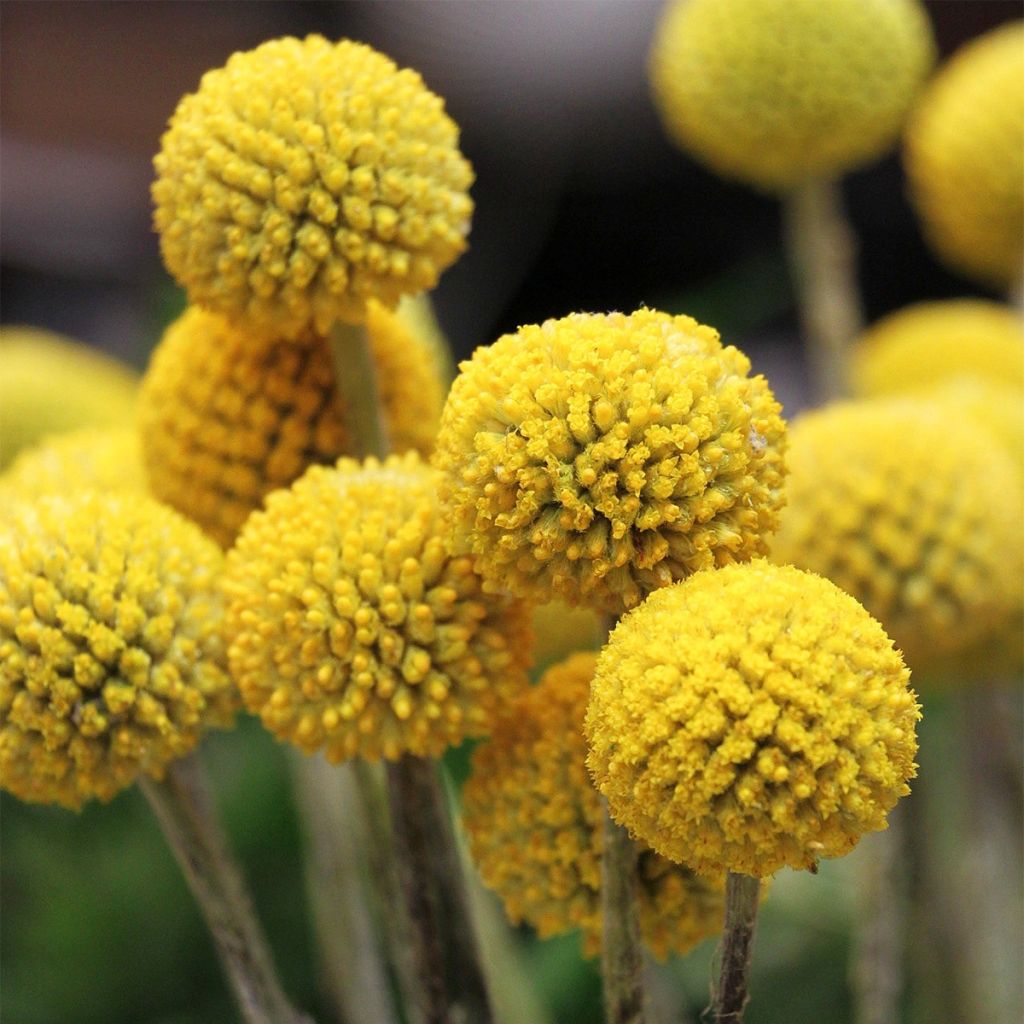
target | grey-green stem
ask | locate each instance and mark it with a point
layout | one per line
(742, 893)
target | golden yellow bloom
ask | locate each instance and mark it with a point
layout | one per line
(965, 158)
(225, 418)
(50, 384)
(775, 93)
(999, 408)
(751, 718)
(535, 827)
(915, 511)
(304, 178)
(596, 457)
(352, 628)
(111, 659)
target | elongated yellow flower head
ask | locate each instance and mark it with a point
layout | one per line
(775, 93)
(965, 158)
(225, 418)
(535, 827)
(912, 508)
(111, 659)
(751, 718)
(596, 457)
(306, 177)
(352, 628)
(930, 342)
(50, 384)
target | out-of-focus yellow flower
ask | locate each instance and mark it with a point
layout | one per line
(111, 659)
(560, 630)
(303, 179)
(352, 628)
(418, 314)
(775, 93)
(597, 457)
(751, 718)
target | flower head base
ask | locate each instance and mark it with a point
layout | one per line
(352, 628)
(597, 457)
(304, 178)
(751, 718)
(111, 662)
(535, 826)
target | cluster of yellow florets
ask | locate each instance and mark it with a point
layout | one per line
(352, 628)
(111, 660)
(535, 826)
(775, 92)
(598, 457)
(306, 177)
(751, 718)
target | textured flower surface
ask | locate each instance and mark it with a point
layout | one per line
(111, 658)
(535, 826)
(597, 457)
(751, 718)
(305, 177)
(225, 418)
(913, 508)
(774, 92)
(352, 628)
(965, 158)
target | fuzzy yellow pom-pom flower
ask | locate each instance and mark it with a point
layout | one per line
(304, 178)
(352, 628)
(225, 418)
(930, 342)
(597, 457)
(111, 658)
(775, 93)
(535, 826)
(751, 718)
(965, 158)
(912, 508)
(50, 384)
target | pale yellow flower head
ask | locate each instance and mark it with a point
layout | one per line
(750, 718)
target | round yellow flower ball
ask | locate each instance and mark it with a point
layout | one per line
(751, 718)
(597, 457)
(225, 418)
(535, 827)
(353, 629)
(965, 158)
(775, 93)
(303, 179)
(111, 658)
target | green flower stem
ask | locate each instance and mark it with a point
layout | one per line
(355, 379)
(742, 894)
(184, 807)
(821, 249)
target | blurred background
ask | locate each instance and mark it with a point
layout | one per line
(581, 204)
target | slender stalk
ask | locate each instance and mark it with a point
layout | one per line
(741, 900)
(355, 379)
(184, 807)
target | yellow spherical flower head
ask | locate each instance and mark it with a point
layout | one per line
(965, 158)
(914, 509)
(111, 658)
(775, 93)
(931, 342)
(535, 827)
(352, 628)
(751, 718)
(225, 418)
(597, 457)
(304, 178)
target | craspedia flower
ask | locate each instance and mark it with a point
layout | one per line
(559, 630)
(535, 827)
(965, 158)
(304, 178)
(225, 418)
(111, 658)
(751, 718)
(352, 628)
(596, 457)
(776, 93)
